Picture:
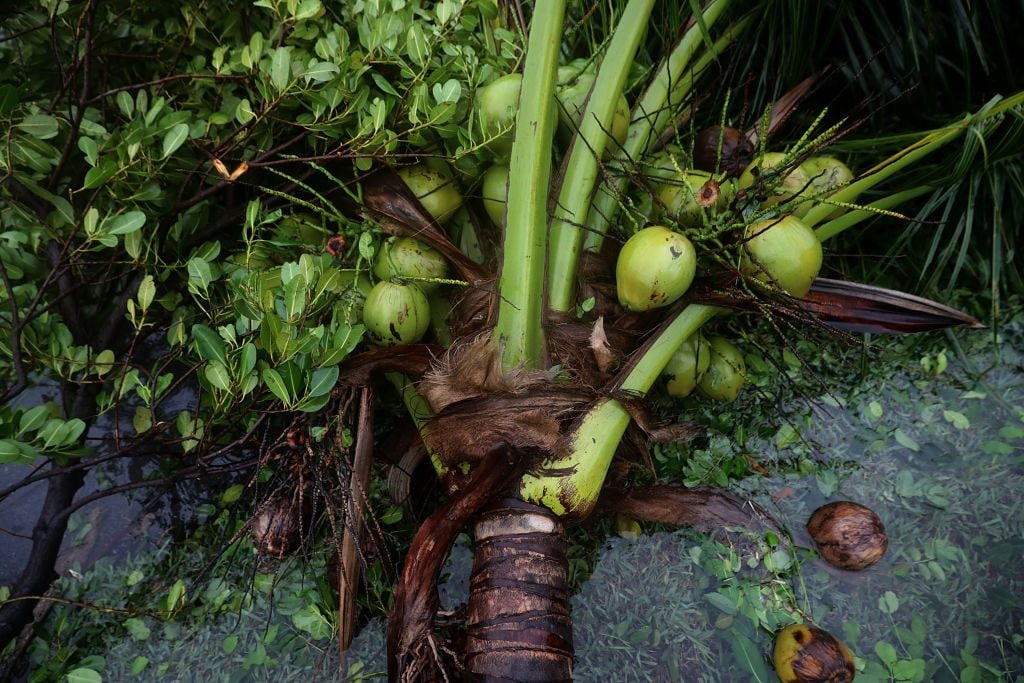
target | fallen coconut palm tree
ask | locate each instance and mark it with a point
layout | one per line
(522, 448)
(529, 402)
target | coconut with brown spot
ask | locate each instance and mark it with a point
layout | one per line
(805, 654)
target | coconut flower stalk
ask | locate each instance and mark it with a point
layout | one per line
(652, 114)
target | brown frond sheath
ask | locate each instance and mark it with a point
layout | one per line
(703, 509)
(409, 359)
(388, 200)
(784, 107)
(478, 406)
(863, 308)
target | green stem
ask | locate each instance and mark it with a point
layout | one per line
(566, 237)
(883, 205)
(881, 172)
(652, 114)
(597, 436)
(594, 443)
(911, 154)
(418, 409)
(646, 371)
(658, 104)
(417, 406)
(518, 330)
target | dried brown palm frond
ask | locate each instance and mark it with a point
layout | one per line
(842, 305)
(409, 359)
(704, 509)
(865, 308)
(388, 201)
(391, 204)
(358, 503)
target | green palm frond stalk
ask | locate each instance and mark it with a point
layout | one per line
(524, 250)
(581, 171)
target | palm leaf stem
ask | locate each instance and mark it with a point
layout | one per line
(518, 330)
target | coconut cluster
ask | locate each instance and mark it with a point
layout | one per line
(397, 310)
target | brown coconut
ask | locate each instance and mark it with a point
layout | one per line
(848, 535)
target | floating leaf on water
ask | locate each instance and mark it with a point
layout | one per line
(778, 561)
(139, 663)
(1012, 431)
(875, 410)
(137, 627)
(904, 440)
(176, 595)
(886, 652)
(786, 436)
(992, 447)
(722, 603)
(889, 603)
(83, 675)
(957, 419)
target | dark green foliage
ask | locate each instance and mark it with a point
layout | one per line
(894, 69)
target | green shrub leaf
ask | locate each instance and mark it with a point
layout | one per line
(12, 451)
(323, 381)
(280, 67)
(83, 675)
(174, 138)
(272, 378)
(209, 344)
(39, 126)
(218, 375)
(125, 223)
(33, 419)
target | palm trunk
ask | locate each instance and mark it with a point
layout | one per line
(519, 627)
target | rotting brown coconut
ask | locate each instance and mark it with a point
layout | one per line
(806, 654)
(281, 523)
(848, 535)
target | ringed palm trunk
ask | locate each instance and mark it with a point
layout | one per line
(519, 630)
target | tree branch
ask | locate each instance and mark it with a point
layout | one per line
(21, 377)
(72, 139)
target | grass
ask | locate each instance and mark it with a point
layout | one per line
(928, 444)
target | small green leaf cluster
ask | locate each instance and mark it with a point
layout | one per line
(25, 435)
(293, 324)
